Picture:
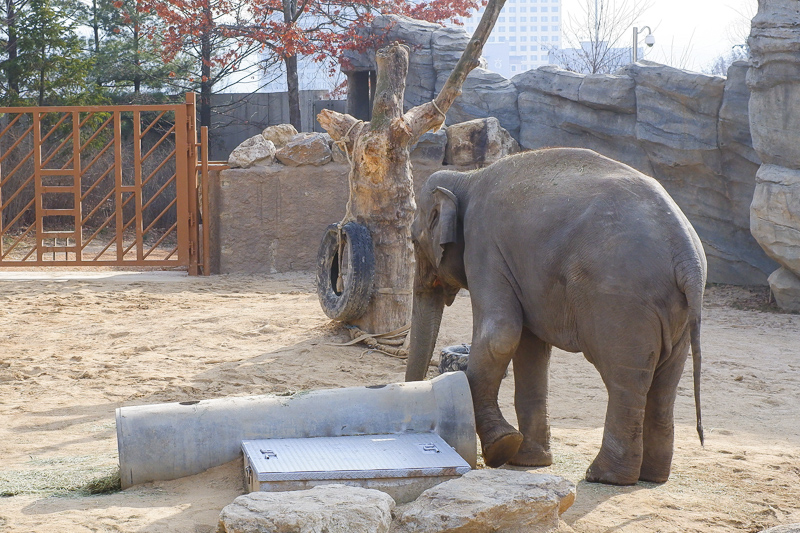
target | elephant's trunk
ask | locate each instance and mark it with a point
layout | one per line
(426, 317)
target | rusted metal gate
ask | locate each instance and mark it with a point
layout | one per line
(104, 186)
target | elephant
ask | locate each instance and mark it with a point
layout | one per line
(563, 247)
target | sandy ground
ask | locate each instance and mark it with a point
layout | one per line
(73, 350)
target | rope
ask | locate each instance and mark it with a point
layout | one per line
(342, 143)
(444, 115)
(348, 216)
(385, 343)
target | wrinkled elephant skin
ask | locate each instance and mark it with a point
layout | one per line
(566, 248)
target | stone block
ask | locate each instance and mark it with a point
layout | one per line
(328, 508)
(489, 500)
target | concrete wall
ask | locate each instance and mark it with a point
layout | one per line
(271, 219)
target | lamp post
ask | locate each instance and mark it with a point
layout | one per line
(649, 40)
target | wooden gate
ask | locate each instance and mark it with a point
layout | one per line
(104, 186)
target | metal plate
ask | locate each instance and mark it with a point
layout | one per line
(357, 457)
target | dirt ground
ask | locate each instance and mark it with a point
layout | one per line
(73, 350)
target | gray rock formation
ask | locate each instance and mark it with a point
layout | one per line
(254, 151)
(689, 131)
(786, 289)
(329, 508)
(431, 147)
(774, 82)
(485, 94)
(305, 149)
(489, 500)
(478, 143)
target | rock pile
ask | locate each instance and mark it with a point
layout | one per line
(480, 501)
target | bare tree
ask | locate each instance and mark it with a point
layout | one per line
(597, 36)
(381, 185)
(737, 31)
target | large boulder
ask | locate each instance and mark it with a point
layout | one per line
(279, 134)
(329, 508)
(785, 288)
(305, 149)
(431, 147)
(489, 500)
(254, 151)
(478, 143)
(775, 214)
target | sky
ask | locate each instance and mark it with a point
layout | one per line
(689, 33)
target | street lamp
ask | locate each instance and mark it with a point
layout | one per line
(649, 40)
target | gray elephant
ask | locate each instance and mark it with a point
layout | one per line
(564, 247)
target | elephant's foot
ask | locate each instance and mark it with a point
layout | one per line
(655, 471)
(500, 444)
(610, 473)
(532, 455)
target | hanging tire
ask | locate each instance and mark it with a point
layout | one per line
(347, 298)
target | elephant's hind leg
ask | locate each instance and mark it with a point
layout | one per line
(531, 368)
(626, 358)
(659, 428)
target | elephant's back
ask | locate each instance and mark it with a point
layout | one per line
(559, 172)
(558, 188)
(584, 216)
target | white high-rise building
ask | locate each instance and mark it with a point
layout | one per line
(524, 34)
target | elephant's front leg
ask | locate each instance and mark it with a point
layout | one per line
(496, 334)
(531, 368)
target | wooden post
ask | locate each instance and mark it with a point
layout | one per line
(381, 183)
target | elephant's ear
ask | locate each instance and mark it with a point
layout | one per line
(444, 227)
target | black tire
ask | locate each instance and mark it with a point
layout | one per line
(351, 303)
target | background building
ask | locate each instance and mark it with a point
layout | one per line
(525, 33)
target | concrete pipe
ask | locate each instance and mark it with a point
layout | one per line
(170, 441)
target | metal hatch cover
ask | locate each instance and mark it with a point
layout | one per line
(405, 455)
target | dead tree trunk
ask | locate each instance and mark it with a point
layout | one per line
(381, 183)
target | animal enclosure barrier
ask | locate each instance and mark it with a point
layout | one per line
(104, 186)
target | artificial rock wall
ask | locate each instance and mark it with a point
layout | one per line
(688, 130)
(774, 82)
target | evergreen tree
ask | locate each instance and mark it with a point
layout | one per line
(43, 61)
(125, 47)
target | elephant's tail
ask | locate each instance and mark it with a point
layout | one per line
(694, 297)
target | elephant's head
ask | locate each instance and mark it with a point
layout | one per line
(439, 250)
